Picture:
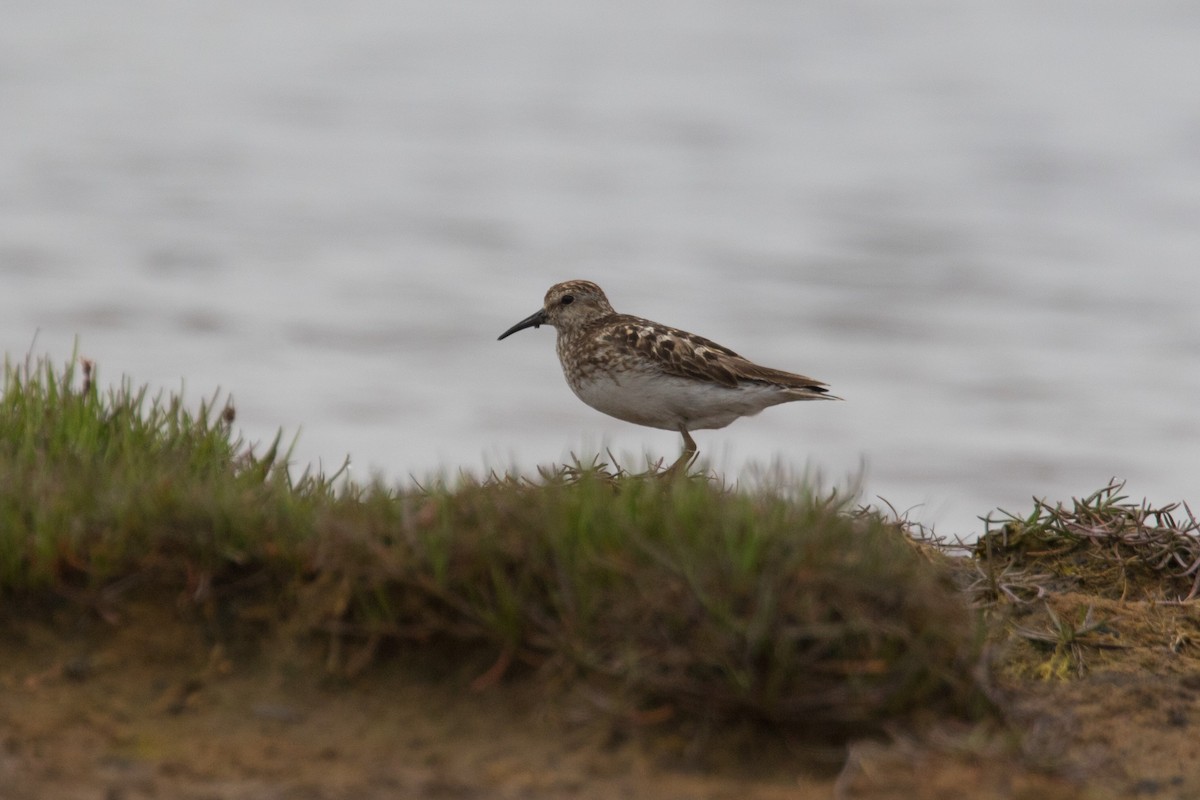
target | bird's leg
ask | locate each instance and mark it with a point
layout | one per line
(686, 457)
(689, 445)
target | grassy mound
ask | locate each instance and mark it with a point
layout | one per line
(1101, 544)
(98, 486)
(1094, 583)
(783, 605)
(790, 610)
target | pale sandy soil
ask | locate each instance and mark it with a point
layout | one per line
(145, 706)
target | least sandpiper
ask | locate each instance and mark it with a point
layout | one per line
(649, 374)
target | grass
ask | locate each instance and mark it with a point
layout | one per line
(783, 605)
(97, 485)
(1101, 544)
(790, 611)
(1068, 587)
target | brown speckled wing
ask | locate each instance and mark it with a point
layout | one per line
(696, 357)
(687, 355)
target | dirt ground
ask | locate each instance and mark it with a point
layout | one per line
(144, 705)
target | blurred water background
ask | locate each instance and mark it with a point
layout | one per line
(980, 223)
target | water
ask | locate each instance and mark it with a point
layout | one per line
(978, 224)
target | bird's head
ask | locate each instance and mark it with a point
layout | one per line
(567, 305)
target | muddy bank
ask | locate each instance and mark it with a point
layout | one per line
(146, 704)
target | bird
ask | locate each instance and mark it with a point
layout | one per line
(650, 374)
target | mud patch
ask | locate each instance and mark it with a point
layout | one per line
(152, 707)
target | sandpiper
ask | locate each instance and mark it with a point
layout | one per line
(650, 374)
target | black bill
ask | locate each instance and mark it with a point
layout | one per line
(534, 320)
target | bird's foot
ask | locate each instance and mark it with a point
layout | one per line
(681, 465)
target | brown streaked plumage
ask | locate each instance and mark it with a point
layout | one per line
(650, 374)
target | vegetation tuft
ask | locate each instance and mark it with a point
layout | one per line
(98, 486)
(783, 605)
(1101, 544)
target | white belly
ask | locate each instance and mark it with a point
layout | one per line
(663, 401)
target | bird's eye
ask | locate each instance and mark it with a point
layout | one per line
(567, 299)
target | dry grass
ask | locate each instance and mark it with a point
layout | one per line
(1101, 544)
